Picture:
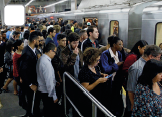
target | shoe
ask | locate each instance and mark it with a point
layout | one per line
(4, 90)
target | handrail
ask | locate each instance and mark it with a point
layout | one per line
(86, 92)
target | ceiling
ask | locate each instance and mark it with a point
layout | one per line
(26, 1)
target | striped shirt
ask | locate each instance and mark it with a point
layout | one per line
(134, 73)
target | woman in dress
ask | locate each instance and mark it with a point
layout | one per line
(148, 94)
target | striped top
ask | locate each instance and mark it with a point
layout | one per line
(134, 73)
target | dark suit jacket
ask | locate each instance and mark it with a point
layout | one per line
(2, 52)
(28, 66)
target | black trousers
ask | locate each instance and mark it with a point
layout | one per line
(29, 94)
(2, 79)
(49, 106)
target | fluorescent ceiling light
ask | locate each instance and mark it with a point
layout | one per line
(108, 11)
(55, 3)
(125, 10)
(78, 13)
(158, 3)
(156, 12)
(29, 3)
(90, 12)
(151, 9)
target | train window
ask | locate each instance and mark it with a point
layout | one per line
(93, 21)
(158, 38)
(114, 28)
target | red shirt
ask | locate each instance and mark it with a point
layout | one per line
(15, 64)
(128, 62)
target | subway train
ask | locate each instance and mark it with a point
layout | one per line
(141, 21)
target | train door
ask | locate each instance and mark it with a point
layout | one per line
(158, 35)
(114, 28)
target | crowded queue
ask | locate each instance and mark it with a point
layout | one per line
(36, 55)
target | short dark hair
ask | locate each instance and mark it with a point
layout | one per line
(135, 49)
(26, 34)
(90, 55)
(73, 37)
(18, 42)
(150, 70)
(68, 31)
(15, 33)
(113, 40)
(50, 30)
(17, 26)
(48, 47)
(22, 28)
(39, 33)
(90, 29)
(9, 45)
(32, 27)
(44, 32)
(33, 36)
(51, 23)
(81, 32)
(65, 22)
(152, 50)
(80, 24)
(60, 36)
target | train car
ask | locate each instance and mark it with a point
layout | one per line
(140, 21)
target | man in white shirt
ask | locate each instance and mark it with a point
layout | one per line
(46, 80)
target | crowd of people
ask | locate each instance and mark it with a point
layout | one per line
(36, 55)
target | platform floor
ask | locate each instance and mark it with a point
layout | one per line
(11, 108)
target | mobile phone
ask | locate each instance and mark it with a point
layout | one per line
(109, 76)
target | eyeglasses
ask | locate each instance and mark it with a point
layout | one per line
(54, 51)
(98, 60)
(41, 40)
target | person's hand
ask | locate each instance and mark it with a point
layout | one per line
(33, 87)
(120, 63)
(76, 51)
(55, 101)
(21, 80)
(104, 75)
(57, 84)
(1, 69)
(102, 80)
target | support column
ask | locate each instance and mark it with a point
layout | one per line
(2, 4)
(73, 5)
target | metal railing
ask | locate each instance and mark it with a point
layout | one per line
(95, 103)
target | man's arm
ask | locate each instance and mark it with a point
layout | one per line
(133, 75)
(26, 70)
(68, 61)
(131, 97)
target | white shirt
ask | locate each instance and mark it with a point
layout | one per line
(114, 56)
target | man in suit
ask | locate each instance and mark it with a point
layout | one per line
(29, 76)
(2, 51)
